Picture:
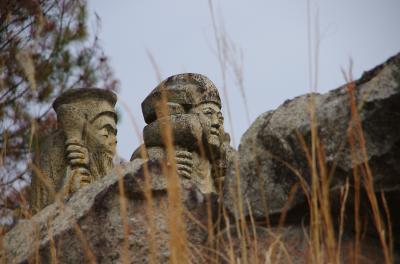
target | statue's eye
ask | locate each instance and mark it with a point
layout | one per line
(207, 112)
(108, 130)
(104, 132)
(220, 118)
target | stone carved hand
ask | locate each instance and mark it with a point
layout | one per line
(184, 163)
(78, 159)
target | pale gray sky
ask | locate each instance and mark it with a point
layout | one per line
(271, 34)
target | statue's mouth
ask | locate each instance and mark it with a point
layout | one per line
(109, 153)
(214, 132)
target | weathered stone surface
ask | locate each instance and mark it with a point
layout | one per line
(98, 223)
(181, 91)
(272, 158)
(91, 220)
(80, 151)
(186, 131)
(92, 224)
(188, 105)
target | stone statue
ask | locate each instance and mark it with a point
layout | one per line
(190, 104)
(81, 150)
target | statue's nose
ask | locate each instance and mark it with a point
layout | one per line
(215, 121)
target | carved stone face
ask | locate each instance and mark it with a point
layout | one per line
(212, 122)
(106, 132)
(102, 143)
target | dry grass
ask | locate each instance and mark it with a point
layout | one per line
(241, 243)
(324, 241)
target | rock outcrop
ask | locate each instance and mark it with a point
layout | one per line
(97, 224)
(357, 136)
(273, 151)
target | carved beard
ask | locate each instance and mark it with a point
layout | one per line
(100, 164)
(213, 144)
(100, 158)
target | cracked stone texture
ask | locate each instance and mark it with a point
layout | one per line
(96, 209)
(271, 157)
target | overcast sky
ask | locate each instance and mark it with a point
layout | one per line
(270, 41)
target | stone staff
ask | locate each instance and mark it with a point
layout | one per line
(82, 148)
(74, 125)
